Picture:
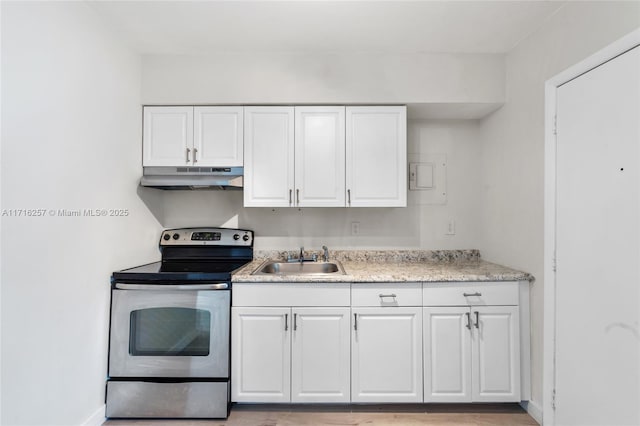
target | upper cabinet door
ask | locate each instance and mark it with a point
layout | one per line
(168, 136)
(376, 140)
(320, 156)
(268, 156)
(218, 136)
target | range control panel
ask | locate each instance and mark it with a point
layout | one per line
(206, 237)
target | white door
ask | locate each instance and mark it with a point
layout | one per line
(218, 136)
(447, 354)
(495, 354)
(597, 246)
(268, 156)
(386, 360)
(320, 355)
(260, 354)
(167, 138)
(319, 156)
(376, 140)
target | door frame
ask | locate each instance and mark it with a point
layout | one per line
(611, 51)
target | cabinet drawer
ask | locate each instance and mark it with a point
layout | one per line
(384, 294)
(472, 293)
(290, 294)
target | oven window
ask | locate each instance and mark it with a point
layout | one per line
(170, 331)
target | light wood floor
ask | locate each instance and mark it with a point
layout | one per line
(354, 415)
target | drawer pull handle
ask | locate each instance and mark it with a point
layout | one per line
(381, 296)
(472, 294)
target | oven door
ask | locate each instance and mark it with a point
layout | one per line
(169, 333)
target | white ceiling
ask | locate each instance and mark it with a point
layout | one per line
(205, 27)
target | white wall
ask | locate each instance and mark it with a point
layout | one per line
(323, 78)
(513, 143)
(339, 78)
(417, 226)
(71, 126)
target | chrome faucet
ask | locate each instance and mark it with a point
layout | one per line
(325, 254)
(301, 255)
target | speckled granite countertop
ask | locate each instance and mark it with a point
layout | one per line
(392, 266)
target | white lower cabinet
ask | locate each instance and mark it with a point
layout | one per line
(380, 342)
(290, 354)
(261, 348)
(386, 364)
(447, 354)
(320, 355)
(471, 354)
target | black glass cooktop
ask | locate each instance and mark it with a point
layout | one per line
(179, 271)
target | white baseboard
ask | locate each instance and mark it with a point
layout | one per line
(96, 418)
(533, 409)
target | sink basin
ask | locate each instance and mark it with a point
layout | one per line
(271, 267)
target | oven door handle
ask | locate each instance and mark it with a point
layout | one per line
(219, 286)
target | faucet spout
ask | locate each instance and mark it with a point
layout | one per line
(325, 253)
(301, 256)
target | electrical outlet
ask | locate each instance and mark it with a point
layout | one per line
(355, 228)
(451, 227)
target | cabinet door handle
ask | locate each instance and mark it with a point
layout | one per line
(355, 322)
(295, 322)
(349, 196)
(290, 192)
(468, 320)
(188, 159)
(477, 324)
(195, 155)
(286, 322)
(476, 294)
(298, 197)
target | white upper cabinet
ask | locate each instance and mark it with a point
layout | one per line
(325, 156)
(168, 136)
(269, 156)
(193, 136)
(376, 140)
(319, 157)
(218, 136)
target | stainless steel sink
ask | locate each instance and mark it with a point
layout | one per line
(271, 267)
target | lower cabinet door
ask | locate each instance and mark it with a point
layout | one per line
(320, 355)
(496, 353)
(260, 355)
(386, 363)
(447, 354)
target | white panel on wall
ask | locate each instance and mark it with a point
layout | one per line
(431, 189)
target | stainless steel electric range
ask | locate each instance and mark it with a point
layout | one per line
(170, 327)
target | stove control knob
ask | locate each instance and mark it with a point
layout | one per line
(236, 237)
(167, 237)
(245, 237)
(176, 236)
